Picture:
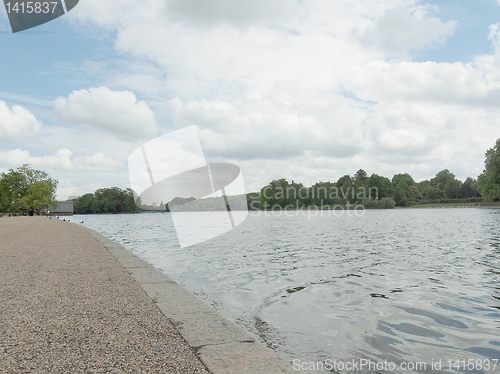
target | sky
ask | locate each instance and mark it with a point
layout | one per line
(305, 90)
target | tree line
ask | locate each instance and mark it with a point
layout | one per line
(376, 191)
(106, 200)
(26, 188)
(373, 191)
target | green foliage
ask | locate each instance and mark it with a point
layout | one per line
(445, 181)
(468, 189)
(344, 179)
(488, 183)
(26, 188)
(451, 188)
(208, 204)
(361, 189)
(178, 201)
(415, 193)
(280, 193)
(347, 191)
(384, 203)
(400, 194)
(253, 202)
(106, 200)
(380, 187)
(424, 186)
(406, 191)
(346, 185)
(441, 178)
(361, 176)
(433, 193)
(320, 193)
(403, 178)
(429, 192)
(457, 201)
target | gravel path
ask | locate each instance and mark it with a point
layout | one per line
(68, 306)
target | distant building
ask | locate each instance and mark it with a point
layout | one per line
(63, 208)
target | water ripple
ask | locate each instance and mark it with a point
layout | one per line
(399, 285)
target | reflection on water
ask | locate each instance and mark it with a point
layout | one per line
(398, 285)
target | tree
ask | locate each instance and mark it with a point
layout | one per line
(361, 176)
(83, 204)
(253, 201)
(429, 192)
(273, 195)
(380, 187)
(424, 185)
(415, 193)
(445, 180)
(26, 188)
(342, 180)
(468, 189)
(39, 196)
(403, 178)
(488, 183)
(323, 193)
(451, 188)
(433, 193)
(281, 194)
(400, 194)
(441, 178)
(106, 200)
(347, 188)
(405, 189)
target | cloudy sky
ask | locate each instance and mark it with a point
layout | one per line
(308, 90)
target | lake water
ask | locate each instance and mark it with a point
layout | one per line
(400, 288)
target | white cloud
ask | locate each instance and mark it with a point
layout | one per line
(194, 12)
(262, 129)
(97, 162)
(494, 34)
(109, 13)
(16, 123)
(239, 13)
(60, 160)
(117, 112)
(399, 31)
(428, 81)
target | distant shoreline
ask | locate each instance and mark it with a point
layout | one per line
(422, 206)
(458, 205)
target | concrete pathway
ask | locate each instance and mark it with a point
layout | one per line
(71, 304)
(67, 306)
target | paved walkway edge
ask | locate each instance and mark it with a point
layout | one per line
(222, 346)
